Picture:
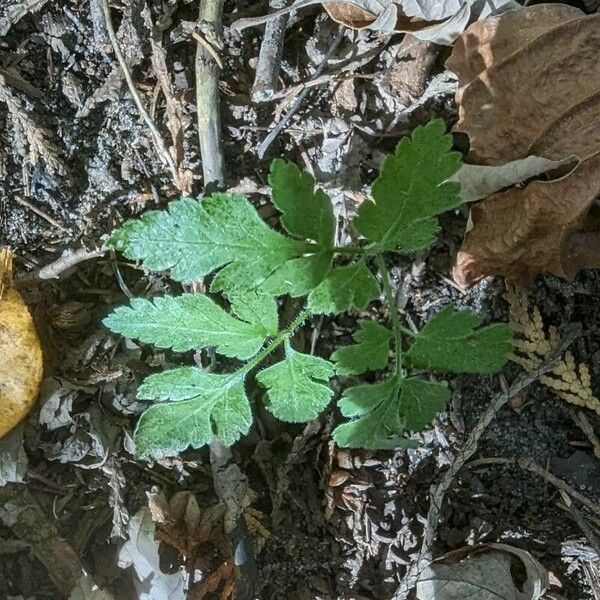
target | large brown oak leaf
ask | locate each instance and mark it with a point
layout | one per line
(529, 84)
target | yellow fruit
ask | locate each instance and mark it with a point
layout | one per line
(21, 360)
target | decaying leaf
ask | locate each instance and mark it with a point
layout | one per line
(528, 86)
(542, 228)
(21, 362)
(486, 572)
(142, 553)
(431, 20)
(13, 459)
(479, 181)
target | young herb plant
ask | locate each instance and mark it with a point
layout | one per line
(254, 265)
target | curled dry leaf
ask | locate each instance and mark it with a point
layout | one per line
(485, 572)
(528, 84)
(21, 361)
(439, 21)
(538, 229)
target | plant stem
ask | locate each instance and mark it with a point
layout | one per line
(370, 250)
(281, 337)
(393, 309)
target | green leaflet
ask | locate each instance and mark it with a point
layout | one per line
(307, 212)
(410, 190)
(368, 354)
(299, 276)
(194, 321)
(344, 288)
(257, 307)
(203, 406)
(386, 410)
(298, 386)
(450, 342)
(193, 238)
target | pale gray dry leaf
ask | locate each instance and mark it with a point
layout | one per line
(480, 181)
(177, 122)
(92, 436)
(12, 11)
(484, 572)
(13, 460)
(116, 485)
(438, 21)
(86, 589)
(141, 553)
(56, 401)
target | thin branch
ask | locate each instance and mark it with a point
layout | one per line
(159, 143)
(270, 138)
(269, 57)
(438, 492)
(208, 69)
(528, 464)
(60, 266)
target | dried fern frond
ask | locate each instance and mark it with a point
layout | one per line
(568, 380)
(32, 140)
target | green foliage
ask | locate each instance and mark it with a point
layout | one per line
(385, 410)
(250, 265)
(194, 321)
(449, 342)
(306, 211)
(194, 238)
(200, 406)
(411, 190)
(298, 386)
(344, 288)
(368, 354)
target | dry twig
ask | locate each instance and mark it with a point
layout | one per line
(55, 269)
(269, 57)
(528, 464)
(208, 70)
(270, 138)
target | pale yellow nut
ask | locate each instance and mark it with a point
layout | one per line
(21, 360)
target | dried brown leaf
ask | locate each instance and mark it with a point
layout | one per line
(528, 85)
(431, 20)
(538, 229)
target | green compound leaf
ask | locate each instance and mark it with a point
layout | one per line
(202, 406)
(344, 288)
(193, 321)
(386, 410)
(449, 342)
(410, 190)
(298, 386)
(193, 238)
(368, 354)
(307, 212)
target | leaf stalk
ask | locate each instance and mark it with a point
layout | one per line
(393, 309)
